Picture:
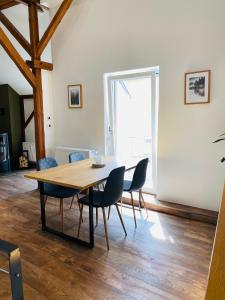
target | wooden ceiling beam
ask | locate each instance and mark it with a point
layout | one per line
(36, 48)
(53, 26)
(38, 91)
(31, 97)
(17, 59)
(28, 1)
(17, 35)
(40, 7)
(29, 119)
(40, 65)
(4, 4)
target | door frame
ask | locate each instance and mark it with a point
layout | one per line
(110, 118)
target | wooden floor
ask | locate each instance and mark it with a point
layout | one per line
(166, 257)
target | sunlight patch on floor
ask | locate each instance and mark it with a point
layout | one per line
(156, 230)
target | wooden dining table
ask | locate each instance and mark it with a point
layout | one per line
(82, 176)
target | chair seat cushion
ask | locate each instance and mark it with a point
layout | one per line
(62, 192)
(98, 197)
(127, 185)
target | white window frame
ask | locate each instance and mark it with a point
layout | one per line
(110, 109)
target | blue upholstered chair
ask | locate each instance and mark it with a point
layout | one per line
(136, 184)
(76, 156)
(55, 191)
(110, 196)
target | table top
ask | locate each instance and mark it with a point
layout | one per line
(80, 175)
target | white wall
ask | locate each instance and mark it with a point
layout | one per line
(48, 103)
(99, 36)
(30, 129)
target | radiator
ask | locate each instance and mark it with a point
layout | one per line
(30, 147)
(62, 153)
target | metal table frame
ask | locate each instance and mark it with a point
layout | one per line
(15, 271)
(90, 243)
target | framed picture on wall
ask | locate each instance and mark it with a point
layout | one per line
(197, 87)
(75, 96)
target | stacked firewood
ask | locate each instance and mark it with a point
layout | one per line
(23, 161)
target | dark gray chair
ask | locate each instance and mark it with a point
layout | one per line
(55, 191)
(137, 184)
(110, 196)
(77, 156)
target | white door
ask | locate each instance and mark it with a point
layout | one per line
(131, 118)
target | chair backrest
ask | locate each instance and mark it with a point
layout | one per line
(139, 176)
(47, 163)
(76, 156)
(114, 186)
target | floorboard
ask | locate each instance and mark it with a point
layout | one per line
(166, 257)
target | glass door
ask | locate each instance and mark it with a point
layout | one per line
(131, 129)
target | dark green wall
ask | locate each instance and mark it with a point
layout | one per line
(10, 121)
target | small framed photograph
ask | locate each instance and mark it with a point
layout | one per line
(197, 87)
(75, 96)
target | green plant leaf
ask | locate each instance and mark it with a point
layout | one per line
(222, 134)
(219, 140)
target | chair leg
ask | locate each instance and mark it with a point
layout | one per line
(105, 225)
(132, 202)
(62, 214)
(96, 217)
(60, 207)
(72, 202)
(121, 201)
(80, 220)
(144, 203)
(109, 210)
(80, 210)
(139, 202)
(121, 220)
(78, 198)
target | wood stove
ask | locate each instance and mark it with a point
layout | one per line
(4, 153)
